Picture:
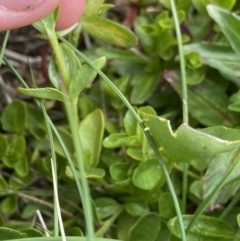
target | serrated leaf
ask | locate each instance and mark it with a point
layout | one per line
(109, 31)
(44, 93)
(186, 144)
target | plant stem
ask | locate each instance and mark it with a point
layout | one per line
(206, 202)
(4, 44)
(142, 125)
(101, 231)
(84, 195)
(226, 210)
(184, 97)
(72, 113)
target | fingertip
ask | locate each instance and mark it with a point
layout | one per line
(69, 13)
(23, 13)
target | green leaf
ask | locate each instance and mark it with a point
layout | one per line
(125, 222)
(97, 173)
(21, 167)
(208, 102)
(11, 158)
(106, 207)
(72, 62)
(92, 7)
(229, 23)
(91, 135)
(130, 124)
(44, 93)
(67, 140)
(205, 228)
(109, 31)
(144, 85)
(46, 25)
(84, 76)
(9, 205)
(238, 220)
(220, 57)
(217, 169)
(8, 233)
(181, 145)
(166, 206)
(136, 208)
(146, 228)
(120, 140)
(32, 232)
(17, 236)
(120, 54)
(147, 175)
(35, 122)
(14, 117)
(3, 184)
(3, 145)
(118, 171)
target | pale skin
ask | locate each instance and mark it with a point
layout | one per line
(19, 13)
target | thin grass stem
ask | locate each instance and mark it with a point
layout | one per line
(184, 97)
(4, 44)
(143, 126)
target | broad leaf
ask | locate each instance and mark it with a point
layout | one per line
(147, 175)
(136, 208)
(82, 77)
(205, 228)
(109, 31)
(208, 102)
(218, 168)
(106, 207)
(146, 228)
(91, 135)
(92, 7)
(14, 117)
(220, 57)
(186, 144)
(120, 54)
(44, 93)
(8, 233)
(229, 23)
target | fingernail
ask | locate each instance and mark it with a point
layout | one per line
(19, 5)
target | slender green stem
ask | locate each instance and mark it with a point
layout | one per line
(230, 206)
(4, 44)
(190, 173)
(184, 97)
(142, 125)
(106, 225)
(75, 174)
(206, 202)
(73, 122)
(56, 218)
(59, 59)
